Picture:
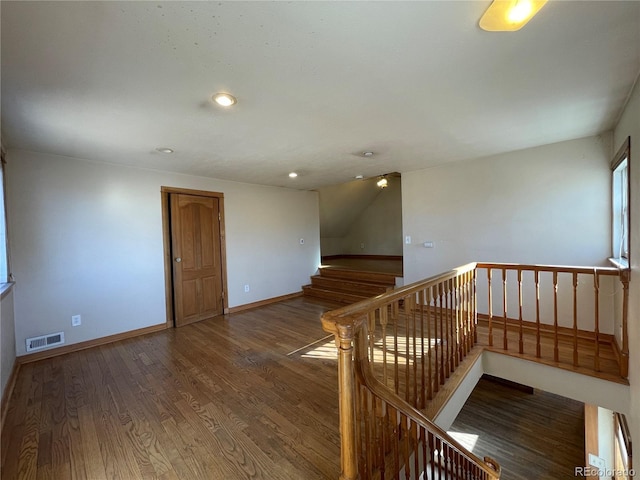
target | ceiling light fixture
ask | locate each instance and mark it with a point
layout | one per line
(509, 15)
(359, 177)
(224, 99)
(382, 183)
(164, 150)
(367, 154)
(293, 175)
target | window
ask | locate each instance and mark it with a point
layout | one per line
(620, 204)
(4, 254)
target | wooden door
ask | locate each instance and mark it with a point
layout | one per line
(197, 258)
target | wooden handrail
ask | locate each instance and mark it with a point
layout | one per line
(397, 349)
(488, 466)
(506, 324)
(550, 268)
(386, 363)
(385, 298)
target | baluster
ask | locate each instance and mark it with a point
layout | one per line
(384, 320)
(407, 356)
(432, 457)
(459, 312)
(423, 450)
(520, 333)
(422, 360)
(489, 275)
(442, 334)
(575, 319)
(404, 428)
(446, 343)
(378, 412)
(415, 448)
(474, 307)
(429, 296)
(372, 334)
(537, 280)
(504, 308)
(411, 300)
(466, 311)
(448, 327)
(596, 294)
(387, 435)
(393, 414)
(556, 354)
(396, 369)
(368, 440)
(452, 326)
(437, 340)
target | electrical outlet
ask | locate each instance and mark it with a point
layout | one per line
(246, 289)
(596, 461)
(76, 320)
(362, 245)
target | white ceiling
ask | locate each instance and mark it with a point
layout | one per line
(317, 83)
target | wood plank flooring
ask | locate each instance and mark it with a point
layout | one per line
(252, 395)
(533, 437)
(366, 265)
(219, 399)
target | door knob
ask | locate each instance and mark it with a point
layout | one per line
(178, 259)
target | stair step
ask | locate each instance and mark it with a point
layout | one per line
(368, 277)
(342, 297)
(349, 286)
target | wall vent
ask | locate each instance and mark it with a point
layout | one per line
(36, 343)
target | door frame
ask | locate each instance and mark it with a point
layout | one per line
(166, 241)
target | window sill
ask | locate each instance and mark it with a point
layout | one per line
(5, 288)
(621, 263)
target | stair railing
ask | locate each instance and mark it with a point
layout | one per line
(562, 302)
(394, 352)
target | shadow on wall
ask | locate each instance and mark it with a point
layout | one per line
(361, 218)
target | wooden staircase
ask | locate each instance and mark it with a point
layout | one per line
(347, 285)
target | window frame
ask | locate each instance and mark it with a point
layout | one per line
(622, 259)
(5, 285)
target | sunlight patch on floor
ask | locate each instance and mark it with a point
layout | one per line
(327, 350)
(467, 440)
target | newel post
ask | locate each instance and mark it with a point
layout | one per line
(345, 334)
(345, 330)
(624, 361)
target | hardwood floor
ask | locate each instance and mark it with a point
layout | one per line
(252, 395)
(366, 265)
(536, 436)
(219, 399)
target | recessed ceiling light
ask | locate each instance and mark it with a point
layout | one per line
(164, 150)
(293, 175)
(224, 99)
(359, 177)
(367, 154)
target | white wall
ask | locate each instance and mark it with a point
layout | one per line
(548, 204)
(7, 340)
(359, 213)
(629, 126)
(87, 239)
(544, 205)
(379, 226)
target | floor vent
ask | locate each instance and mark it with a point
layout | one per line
(36, 343)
